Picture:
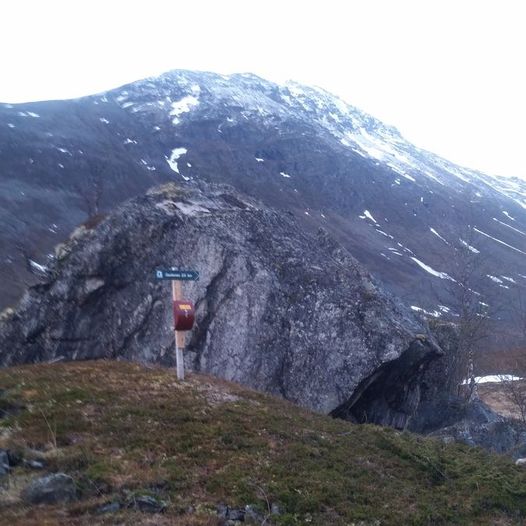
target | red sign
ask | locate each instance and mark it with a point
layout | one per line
(184, 315)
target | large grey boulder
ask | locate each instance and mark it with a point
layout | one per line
(51, 489)
(277, 309)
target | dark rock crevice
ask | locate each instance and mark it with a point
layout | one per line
(136, 330)
(390, 396)
(210, 303)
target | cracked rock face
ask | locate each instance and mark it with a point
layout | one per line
(276, 309)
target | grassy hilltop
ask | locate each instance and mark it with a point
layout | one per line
(122, 430)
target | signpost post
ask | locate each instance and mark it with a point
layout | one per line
(184, 312)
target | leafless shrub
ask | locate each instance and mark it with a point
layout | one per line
(91, 190)
(471, 312)
(514, 389)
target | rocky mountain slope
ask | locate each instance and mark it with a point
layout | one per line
(132, 445)
(400, 210)
(277, 308)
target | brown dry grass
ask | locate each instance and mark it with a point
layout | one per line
(495, 396)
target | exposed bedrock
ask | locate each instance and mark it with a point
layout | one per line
(277, 309)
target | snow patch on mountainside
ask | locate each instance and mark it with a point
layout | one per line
(148, 167)
(433, 231)
(28, 114)
(432, 271)
(172, 161)
(182, 106)
(509, 226)
(38, 267)
(494, 278)
(468, 246)
(499, 241)
(434, 314)
(368, 215)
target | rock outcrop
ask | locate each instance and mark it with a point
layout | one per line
(473, 423)
(277, 309)
(51, 489)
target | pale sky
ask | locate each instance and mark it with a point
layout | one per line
(449, 74)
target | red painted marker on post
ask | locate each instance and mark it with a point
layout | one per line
(183, 310)
(184, 315)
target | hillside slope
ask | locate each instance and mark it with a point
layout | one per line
(123, 431)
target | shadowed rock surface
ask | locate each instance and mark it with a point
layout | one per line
(277, 309)
(51, 489)
(393, 392)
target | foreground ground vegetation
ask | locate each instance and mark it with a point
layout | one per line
(128, 434)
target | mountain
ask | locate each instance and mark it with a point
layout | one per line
(400, 210)
(142, 448)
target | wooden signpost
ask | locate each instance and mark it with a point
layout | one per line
(183, 310)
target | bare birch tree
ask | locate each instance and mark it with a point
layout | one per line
(469, 311)
(514, 384)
